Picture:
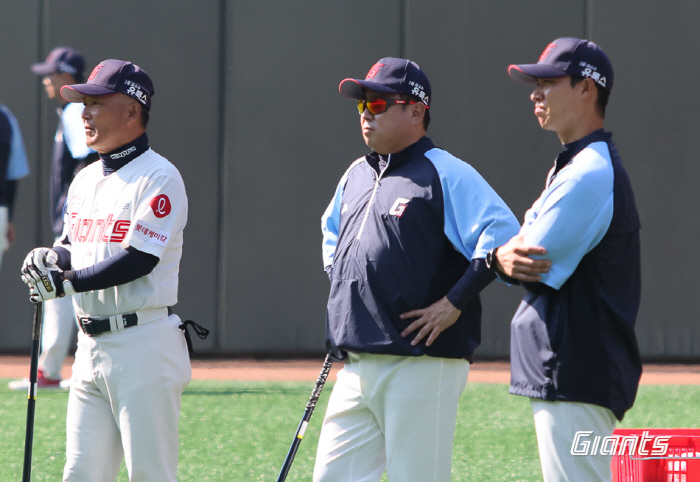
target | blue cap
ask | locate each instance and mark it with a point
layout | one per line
(113, 77)
(61, 59)
(567, 56)
(390, 76)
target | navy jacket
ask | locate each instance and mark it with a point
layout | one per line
(576, 342)
(400, 238)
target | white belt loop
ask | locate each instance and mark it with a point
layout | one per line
(116, 323)
(151, 315)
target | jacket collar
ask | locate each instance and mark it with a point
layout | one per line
(423, 145)
(573, 148)
(118, 158)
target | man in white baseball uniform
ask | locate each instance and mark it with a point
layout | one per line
(119, 258)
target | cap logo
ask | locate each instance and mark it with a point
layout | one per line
(374, 70)
(419, 91)
(547, 51)
(94, 72)
(591, 72)
(67, 68)
(136, 91)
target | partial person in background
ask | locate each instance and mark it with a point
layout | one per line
(13, 166)
(63, 66)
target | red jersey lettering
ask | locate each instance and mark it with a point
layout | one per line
(121, 227)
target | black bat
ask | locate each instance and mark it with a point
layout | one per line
(325, 370)
(31, 404)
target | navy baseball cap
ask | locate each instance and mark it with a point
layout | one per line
(390, 76)
(113, 77)
(61, 59)
(567, 56)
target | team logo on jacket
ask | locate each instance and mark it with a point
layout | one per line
(161, 206)
(399, 207)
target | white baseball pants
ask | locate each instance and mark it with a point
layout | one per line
(556, 424)
(57, 331)
(124, 403)
(394, 413)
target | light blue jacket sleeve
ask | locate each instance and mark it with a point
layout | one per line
(573, 213)
(74, 131)
(330, 221)
(476, 218)
(18, 163)
(330, 224)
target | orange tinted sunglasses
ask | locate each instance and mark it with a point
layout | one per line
(380, 104)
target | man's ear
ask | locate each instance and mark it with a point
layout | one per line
(417, 113)
(134, 111)
(588, 87)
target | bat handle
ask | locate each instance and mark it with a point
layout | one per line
(36, 325)
(31, 397)
(315, 394)
(322, 377)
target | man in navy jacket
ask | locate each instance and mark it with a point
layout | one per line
(404, 242)
(573, 347)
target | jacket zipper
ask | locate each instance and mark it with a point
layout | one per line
(371, 199)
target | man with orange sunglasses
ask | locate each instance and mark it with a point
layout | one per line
(404, 244)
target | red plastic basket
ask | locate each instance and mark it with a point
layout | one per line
(679, 463)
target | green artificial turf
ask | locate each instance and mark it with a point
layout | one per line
(241, 431)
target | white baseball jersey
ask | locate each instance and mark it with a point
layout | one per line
(142, 205)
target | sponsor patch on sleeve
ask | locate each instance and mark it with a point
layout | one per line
(161, 206)
(149, 234)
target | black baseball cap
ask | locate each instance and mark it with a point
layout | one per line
(390, 76)
(61, 59)
(567, 56)
(113, 77)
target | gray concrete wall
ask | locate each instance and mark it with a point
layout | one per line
(247, 107)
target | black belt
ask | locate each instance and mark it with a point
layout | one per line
(95, 326)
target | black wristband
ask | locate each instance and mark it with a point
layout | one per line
(57, 277)
(491, 261)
